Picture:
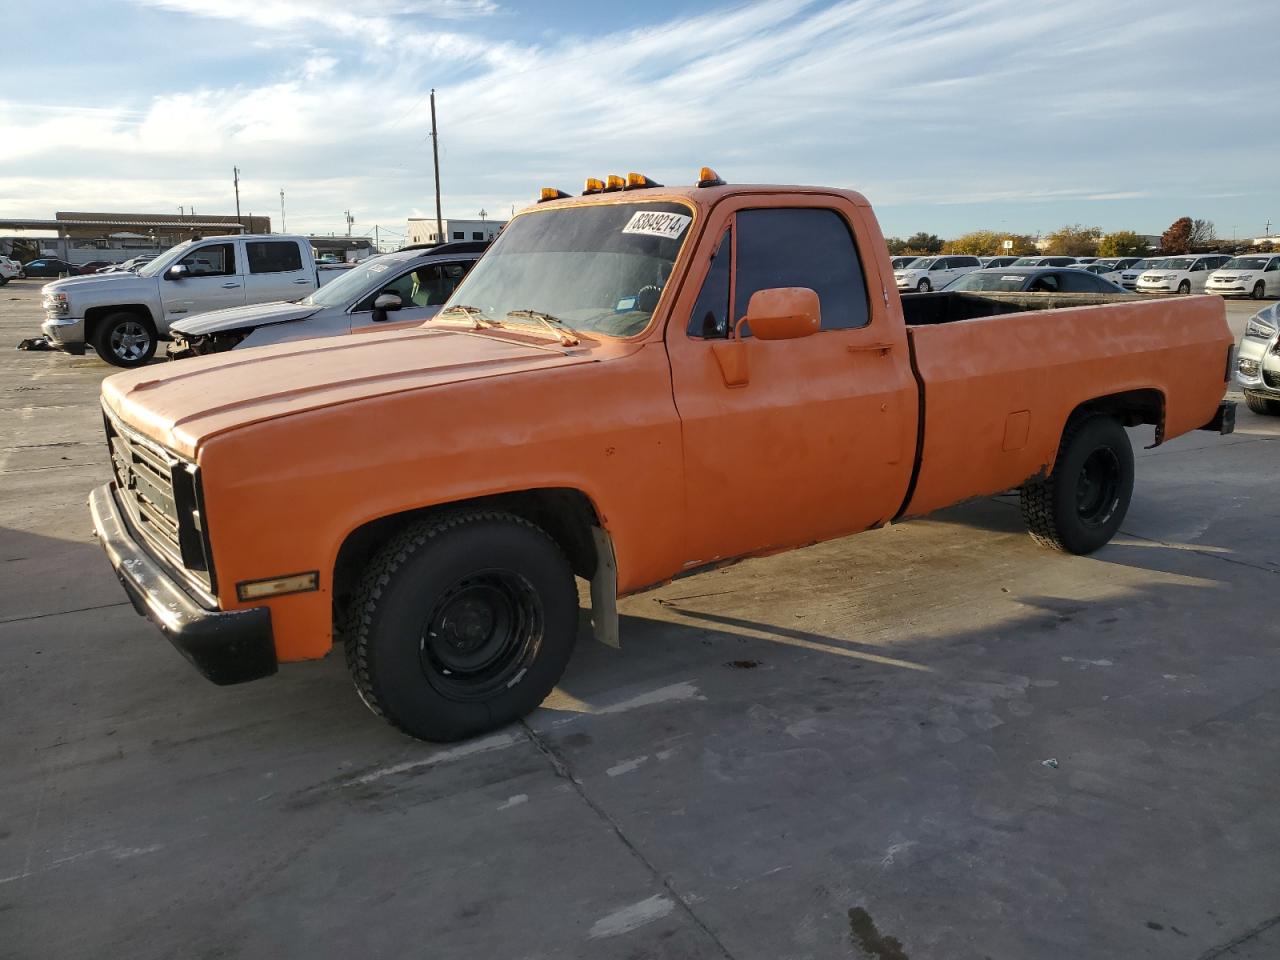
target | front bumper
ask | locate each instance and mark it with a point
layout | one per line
(64, 330)
(225, 646)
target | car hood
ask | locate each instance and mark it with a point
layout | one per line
(93, 282)
(233, 318)
(183, 405)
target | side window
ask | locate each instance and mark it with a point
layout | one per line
(1046, 283)
(273, 256)
(214, 260)
(942, 263)
(801, 248)
(1273, 265)
(1197, 266)
(434, 283)
(710, 317)
(1079, 281)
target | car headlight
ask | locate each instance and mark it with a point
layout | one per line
(1245, 277)
(1259, 329)
(1248, 368)
(56, 304)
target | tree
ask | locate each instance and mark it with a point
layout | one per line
(1122, 243)
(1177, 239)
(988, 243)
(1074, 241)
(896, 245)
(1203, 234)
(924, 242)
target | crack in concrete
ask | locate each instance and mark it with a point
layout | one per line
(562, 770)
(1249, 934)
(61, 613)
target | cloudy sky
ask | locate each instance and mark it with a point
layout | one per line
(948, 114)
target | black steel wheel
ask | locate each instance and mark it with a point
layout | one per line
(924, 286)
(1184, 286)
(1079, 507)
(461, 623)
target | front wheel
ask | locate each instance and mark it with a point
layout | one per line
(1184, 286)
(1079, 507)
(1259, 290)
(461, 624)
(924, 286)
(125, 339)
(1263, 405)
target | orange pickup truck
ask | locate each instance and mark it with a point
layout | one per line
(632, 385)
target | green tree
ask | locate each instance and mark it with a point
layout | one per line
(924, 242)
(1074, 241)
(1122, 243)
(1177, 239)
(896, 245)
(989, 243)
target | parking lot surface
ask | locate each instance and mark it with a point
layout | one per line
(936, 740)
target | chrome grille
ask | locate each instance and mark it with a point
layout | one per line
(159, 493)
(1271, 378)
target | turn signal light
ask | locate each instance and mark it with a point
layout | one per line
(614, 182)
(637, 181)
(551, 193)
(709, 178)
(296, 583)
(594, 185)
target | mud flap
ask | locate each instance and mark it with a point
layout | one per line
(604, 591)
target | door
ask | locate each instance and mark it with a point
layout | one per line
(1271, 275)
(797, 440)
(1199, 275)
(422, 292)
(213, 281)
(942, 273)
(276, 271)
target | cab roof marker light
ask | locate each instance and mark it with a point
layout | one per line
(593, 185)
(638, 181)
(709, 178)
(614, 182)
(551, 193)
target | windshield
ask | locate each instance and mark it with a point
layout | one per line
(923, 263)
(598, 268)
(1174, 263)
(353, 284)
(900, 262)
(1025, 262)
(1246, 263)
(162, 262)
(989, 280)
(1143, 265)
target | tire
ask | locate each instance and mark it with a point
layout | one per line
(1079, 507)
(125, 339)
(1263, 405)
(924, 286)
(3, 281)
(460, 624)
(1184, 286)
(1259, 290)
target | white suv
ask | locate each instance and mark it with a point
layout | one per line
(9, 270)
(1185, 274)
(1256, 276)
(934, 273)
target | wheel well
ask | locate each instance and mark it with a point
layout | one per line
(1131, 408)
(567, 516)
(94, 315)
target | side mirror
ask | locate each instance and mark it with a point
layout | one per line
(385, 302)
(177, 272)
(783, 313)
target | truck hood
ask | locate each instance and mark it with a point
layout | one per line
(93, 283)
(183, 405)
(233, 318)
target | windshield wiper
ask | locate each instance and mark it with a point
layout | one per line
(474, 314)
(564, 333)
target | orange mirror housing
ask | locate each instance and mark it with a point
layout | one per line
(783, 313)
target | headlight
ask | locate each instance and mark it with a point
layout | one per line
(56, 304)
(1259, 329)
(1248, 368)
(1245, 277)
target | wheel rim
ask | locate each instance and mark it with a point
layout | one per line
(130, 340)
(1184, 287)
(923, 287)
(481, 635)
(1098, 487)
(1259, 290)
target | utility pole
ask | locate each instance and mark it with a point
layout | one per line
(282, 229)
(235, 176)
(350, 220)
(435, 157)
(377, 244)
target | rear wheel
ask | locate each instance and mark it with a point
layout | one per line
(461, 624)
(125, 339)
(1263, 405)
(924, 286)
(1259, 290)
(1081, 504)
(1184, 286)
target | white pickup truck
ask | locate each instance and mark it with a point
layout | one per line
(123, 315)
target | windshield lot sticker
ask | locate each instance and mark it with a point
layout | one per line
(669, 226)
(377, 268)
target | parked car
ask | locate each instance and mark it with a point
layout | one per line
(1185, 274)
(1068, 279)
(1085, 259)
(1255, 276)
(933, 273)
(9, 270)
(1100, 269)
(397, 286)
(50, 267)
(95, 266)
(1129, 275)
(627, 387)
(899, 263)
(1118, 264)
(124, 315)
(1002, 261)
(1258, 361)
(1043, 262)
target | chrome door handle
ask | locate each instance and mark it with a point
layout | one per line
(302, 280)
(228, 286)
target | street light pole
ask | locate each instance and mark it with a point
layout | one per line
(235, 177)
(282, 229)
(435, 158)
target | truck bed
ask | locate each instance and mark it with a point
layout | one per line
(997, 390)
